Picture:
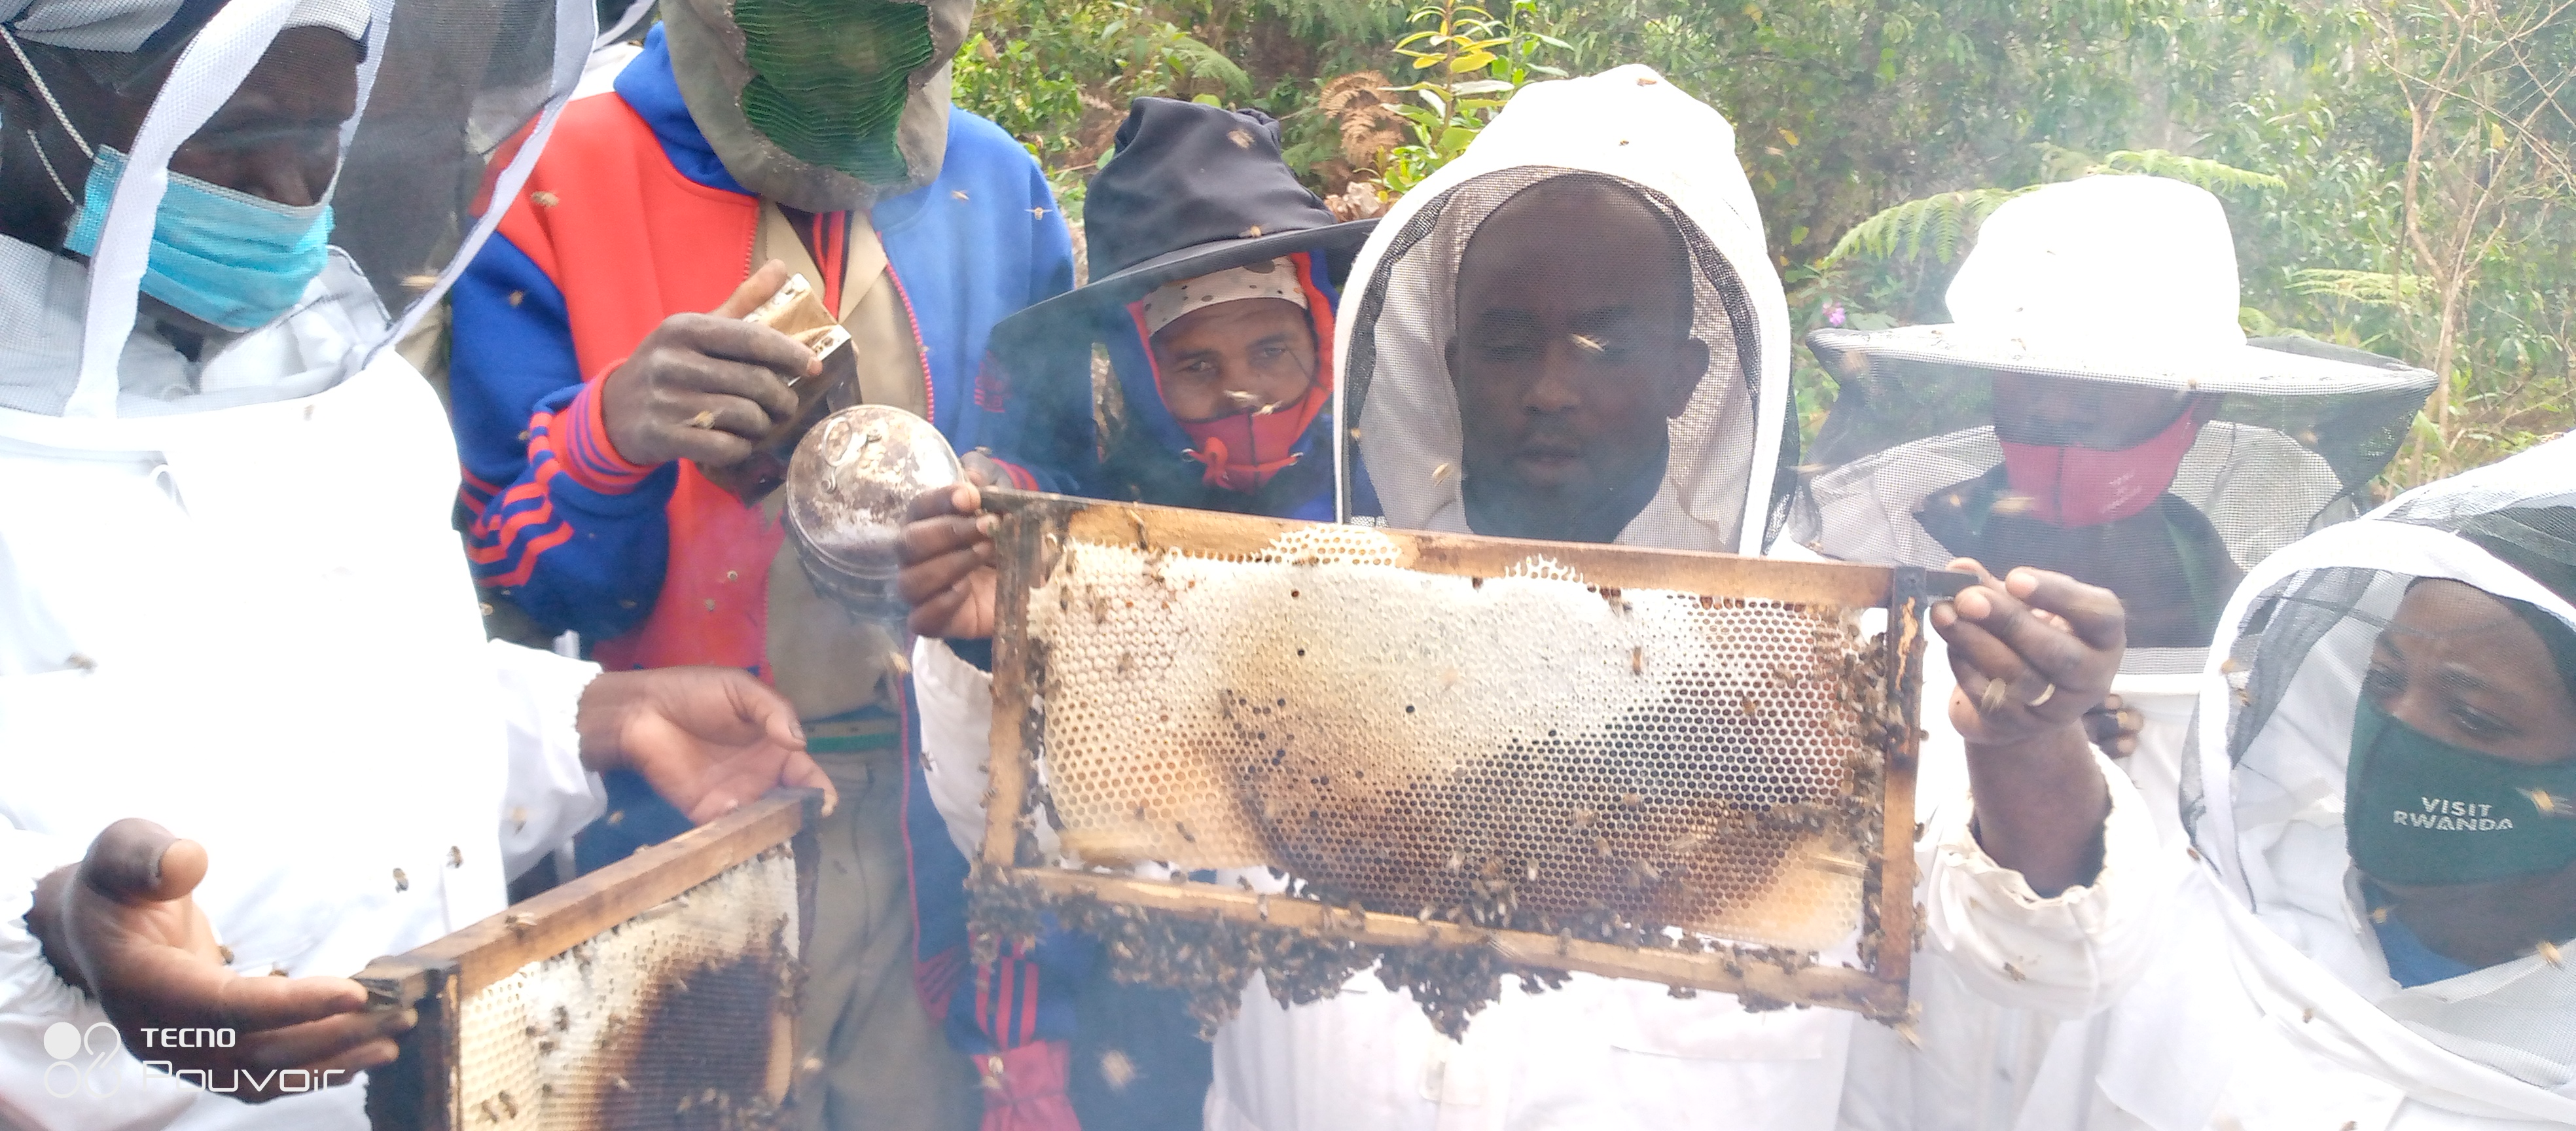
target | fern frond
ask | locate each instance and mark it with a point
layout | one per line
(2395, 290)
(2216, 176)
(1941, 223)
(1198, 60)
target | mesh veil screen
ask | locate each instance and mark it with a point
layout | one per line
(459, 82)
(830, 79)
(2280, 791)
(664, 1021)
(1909, 469)
(1398, 379)
(1525, 750)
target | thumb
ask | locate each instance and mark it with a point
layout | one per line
(753, 291)
(136, 861)
(801, 772)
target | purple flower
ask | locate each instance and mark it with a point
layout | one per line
(1834, 315)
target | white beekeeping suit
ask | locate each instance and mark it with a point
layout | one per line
(231, 601)
(2090, 315)
(2285, 994)
(1606, 1053)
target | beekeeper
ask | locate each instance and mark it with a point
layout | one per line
(232, 608)
(2094, 409)
(2385, 749)
(610, 405)
(1574, 332)
(1214, 281)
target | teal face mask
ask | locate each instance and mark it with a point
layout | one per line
(2418, 810)
(230, 258)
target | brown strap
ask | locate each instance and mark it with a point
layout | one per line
(825, 661)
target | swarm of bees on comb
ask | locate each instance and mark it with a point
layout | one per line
(1721, 799)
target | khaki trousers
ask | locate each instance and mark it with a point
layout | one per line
(873, 1060)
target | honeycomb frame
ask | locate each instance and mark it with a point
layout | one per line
(656, 992)
(1483, 934)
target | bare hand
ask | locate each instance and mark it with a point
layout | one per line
(2114, 727)
(706, 739)
(2034, 653)
(121, 925)
(706, 387)
(947, 555)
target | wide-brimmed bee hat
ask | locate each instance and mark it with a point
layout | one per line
(2111, 278)
(1191, 190)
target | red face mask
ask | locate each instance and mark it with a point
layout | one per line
(2072, 485)
(1244, 450)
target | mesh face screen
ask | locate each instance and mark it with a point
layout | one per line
(1580, 275)
(830, 80)
(1524, 750)
(1910, 469)
(664, 1021)
(458, 82)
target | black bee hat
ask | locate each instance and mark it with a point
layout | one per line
(1191, 189)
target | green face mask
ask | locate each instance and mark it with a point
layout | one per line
(2421, 811)
(830, 78)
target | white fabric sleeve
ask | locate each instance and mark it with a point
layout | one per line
(39, 1091)
(956, 703)
(2064, 956)
(550, 794)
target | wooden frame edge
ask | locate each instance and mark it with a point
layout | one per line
(1135, 524)
(1904, 591)
(1719, 970)
(561, 918)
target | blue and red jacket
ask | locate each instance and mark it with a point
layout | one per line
(627, 219)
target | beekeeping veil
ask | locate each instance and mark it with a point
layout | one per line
(2265, 780)
(453, 100)
(1643, 138)
(820, 105)
(2145, 444)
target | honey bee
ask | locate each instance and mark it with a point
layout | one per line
(1637, 659)
(401, 881)
(455, 857)
(1992, 699)
(2549, 953)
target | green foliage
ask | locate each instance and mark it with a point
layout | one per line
(2394, 290)
(1475, 63)
(2215, 176)
(1940, 224)
(1943, 224)
(2400, 175)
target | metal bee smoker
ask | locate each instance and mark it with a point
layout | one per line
(1475, 758)
(848, 487)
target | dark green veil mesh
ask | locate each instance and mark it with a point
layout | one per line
(830, 78)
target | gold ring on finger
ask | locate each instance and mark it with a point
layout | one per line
(2045, 695)
(703, 420)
